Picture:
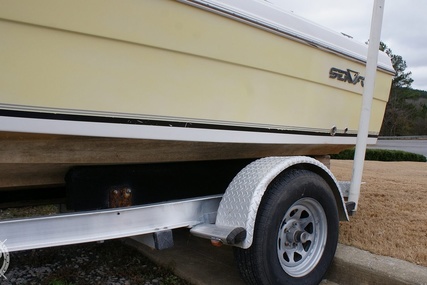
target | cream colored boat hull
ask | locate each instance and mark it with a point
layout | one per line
(152, 81)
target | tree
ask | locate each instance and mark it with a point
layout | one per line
(398, 114)
(401, 79)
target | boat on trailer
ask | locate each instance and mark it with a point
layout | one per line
(165, 81)
(205, 114)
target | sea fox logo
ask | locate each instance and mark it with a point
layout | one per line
(348, 75)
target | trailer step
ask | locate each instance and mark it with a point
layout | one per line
(223, 235)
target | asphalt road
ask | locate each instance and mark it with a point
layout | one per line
(415, 146)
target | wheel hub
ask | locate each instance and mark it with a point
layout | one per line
(302, 236)
(295, 234)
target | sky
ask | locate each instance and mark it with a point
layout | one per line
(404, 28)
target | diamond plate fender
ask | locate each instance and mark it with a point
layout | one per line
(239, 205)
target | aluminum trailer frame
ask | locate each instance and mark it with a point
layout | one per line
(63, 229)
(305, 241)
(199, 214)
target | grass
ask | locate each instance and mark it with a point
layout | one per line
(391, 219)
(382, 155)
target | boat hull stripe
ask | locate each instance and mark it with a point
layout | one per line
(164, 123)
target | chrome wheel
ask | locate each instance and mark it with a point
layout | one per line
(302, 237)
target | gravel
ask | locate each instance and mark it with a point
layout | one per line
(111, 262)
(108, 263)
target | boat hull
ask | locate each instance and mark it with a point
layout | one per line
(43, 160)
(156, 81)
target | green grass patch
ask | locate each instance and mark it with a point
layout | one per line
(382, 155)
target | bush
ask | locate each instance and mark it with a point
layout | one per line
(382, 155)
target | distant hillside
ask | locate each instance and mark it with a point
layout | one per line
(418, 97)
(406, 113)
(415, 94)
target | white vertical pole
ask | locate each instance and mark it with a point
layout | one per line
(368, 94)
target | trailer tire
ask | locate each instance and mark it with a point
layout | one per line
(295, 234)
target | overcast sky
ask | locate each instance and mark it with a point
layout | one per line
(404, 27)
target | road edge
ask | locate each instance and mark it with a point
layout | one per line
(356, 266)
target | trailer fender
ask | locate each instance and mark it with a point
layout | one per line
(239, 205)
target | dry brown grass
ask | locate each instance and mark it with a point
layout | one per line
(391, 219)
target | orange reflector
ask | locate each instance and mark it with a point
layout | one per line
(216, 243)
